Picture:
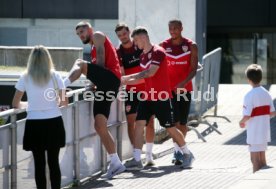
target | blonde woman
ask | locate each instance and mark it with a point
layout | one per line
(44, 129)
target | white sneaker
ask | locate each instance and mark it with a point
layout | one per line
(114, 170)
(132, 165)
(188, 161)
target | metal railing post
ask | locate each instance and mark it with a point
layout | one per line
(13, 152)
(6, 156)
(119, 129)
(104, 158)
(76, 149)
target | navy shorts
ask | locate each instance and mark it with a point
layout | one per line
(131, 103)
(163, 111)
(181, 105)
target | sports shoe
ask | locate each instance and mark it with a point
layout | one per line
(188, 161)
(149, 163)
(132, 164)
(177, 158)
(114, 170)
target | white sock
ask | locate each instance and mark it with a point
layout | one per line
(149, 147)
(185, 149)
(67, 82)
(176, 147)
(114, 158)
(137, 154)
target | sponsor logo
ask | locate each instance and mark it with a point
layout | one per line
(168, 50)
(177, 63)
(133, 60)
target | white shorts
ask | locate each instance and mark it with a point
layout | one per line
(257, 147)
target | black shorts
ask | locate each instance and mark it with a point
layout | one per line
(163, 111)
(131, 103)
(44, 134)
(107, 88)
(181, 106)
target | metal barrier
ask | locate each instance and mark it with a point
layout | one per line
(83, 155)
(206, 86)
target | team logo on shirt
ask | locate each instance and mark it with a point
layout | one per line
(185, 48)
(94, 60)
(149, 56)
(128, 108)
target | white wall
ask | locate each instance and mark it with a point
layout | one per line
(51, 32)
(155, 15)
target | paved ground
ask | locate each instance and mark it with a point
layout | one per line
(222, 162)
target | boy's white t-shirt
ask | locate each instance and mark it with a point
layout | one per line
(258, 127)
(42, 103)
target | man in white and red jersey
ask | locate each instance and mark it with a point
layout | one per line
(182, 55)
(128, 55)
(156, 98)
(104, 72)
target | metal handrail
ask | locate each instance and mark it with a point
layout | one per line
(22, 110)
(12, 112)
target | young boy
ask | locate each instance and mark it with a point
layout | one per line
(257, 109)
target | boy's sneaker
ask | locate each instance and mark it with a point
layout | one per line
(188, 161)
(132, 165)
(114, 170)
(177, 158)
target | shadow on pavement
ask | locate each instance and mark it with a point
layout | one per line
(241, 138)
(155, 172)
(147, 172)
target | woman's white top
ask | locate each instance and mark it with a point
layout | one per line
(258, 127)
(42, 101)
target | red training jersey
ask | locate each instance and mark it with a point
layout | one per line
(130, 60)
(157, 87)
(111, 59)
(179, 62)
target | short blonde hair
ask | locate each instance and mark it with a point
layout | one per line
(40, 65)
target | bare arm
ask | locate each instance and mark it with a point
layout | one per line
(243, 120)
(193, 66)
(99, 39)
(16, 102)
(141, 75)
(273, 114)
(80, 67)
(63, 99)
(133, 82)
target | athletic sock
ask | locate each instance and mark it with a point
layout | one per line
(114, 158)
(185, 149)
(149, 147)
(137, 154)
(176, 147)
